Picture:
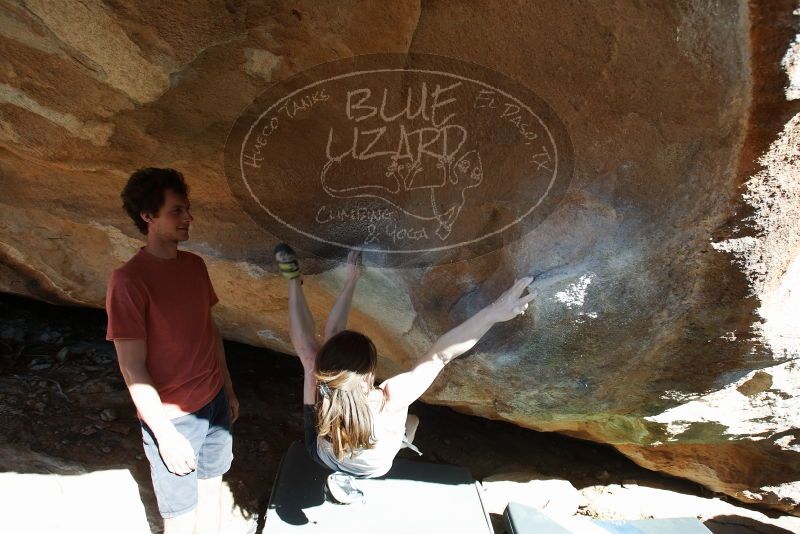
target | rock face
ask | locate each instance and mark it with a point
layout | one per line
(668, 275)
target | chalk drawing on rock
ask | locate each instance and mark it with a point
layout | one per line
(417, 158)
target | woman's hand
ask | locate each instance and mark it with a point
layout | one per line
(405, 388)
(510, 304)
(354, 265)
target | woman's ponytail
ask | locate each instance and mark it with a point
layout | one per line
(345, 371)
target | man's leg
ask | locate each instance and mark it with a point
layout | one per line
(182, 524)
(209, 504)
(213, 460)
(176, 495)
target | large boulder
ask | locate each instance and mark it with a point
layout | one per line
(667, 318)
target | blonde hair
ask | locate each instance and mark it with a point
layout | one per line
(345, 373)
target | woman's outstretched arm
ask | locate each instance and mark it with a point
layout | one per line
(405, 388)
(337, 320)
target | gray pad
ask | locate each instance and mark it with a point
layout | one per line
(677, 525)
(521, 519)
(412, 497)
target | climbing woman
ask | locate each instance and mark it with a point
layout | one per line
(352, 426)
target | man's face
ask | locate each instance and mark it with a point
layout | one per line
(172, 221)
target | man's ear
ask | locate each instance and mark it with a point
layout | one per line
(146, 217)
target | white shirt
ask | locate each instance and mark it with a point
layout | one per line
(388, 430)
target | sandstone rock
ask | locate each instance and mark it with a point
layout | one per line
(634, 501)
(666, 274)
(555, 497)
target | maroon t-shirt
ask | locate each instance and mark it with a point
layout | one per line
(167, 302)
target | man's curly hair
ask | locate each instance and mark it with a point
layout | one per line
(144, 192)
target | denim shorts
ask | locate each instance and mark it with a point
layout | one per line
(209, 431)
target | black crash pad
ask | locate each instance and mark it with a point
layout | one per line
(414, 497)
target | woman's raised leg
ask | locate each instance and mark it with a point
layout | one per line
(301, 322)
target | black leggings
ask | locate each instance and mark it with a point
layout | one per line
(310, 431)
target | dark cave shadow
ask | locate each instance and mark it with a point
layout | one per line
(736, 524)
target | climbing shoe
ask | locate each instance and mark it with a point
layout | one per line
(287, 261)
(343, 490)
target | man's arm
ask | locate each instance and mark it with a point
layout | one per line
(223, 366)
(175, 449)
(405, 388)
(337, 319)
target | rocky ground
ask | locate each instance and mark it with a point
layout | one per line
(66, 414)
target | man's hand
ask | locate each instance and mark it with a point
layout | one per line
(234, 402)
(354, 265)
(510, 304)
(177, 453)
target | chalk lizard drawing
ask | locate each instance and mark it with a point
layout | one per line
(443, 177)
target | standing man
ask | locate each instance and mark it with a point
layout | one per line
(171, 355)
